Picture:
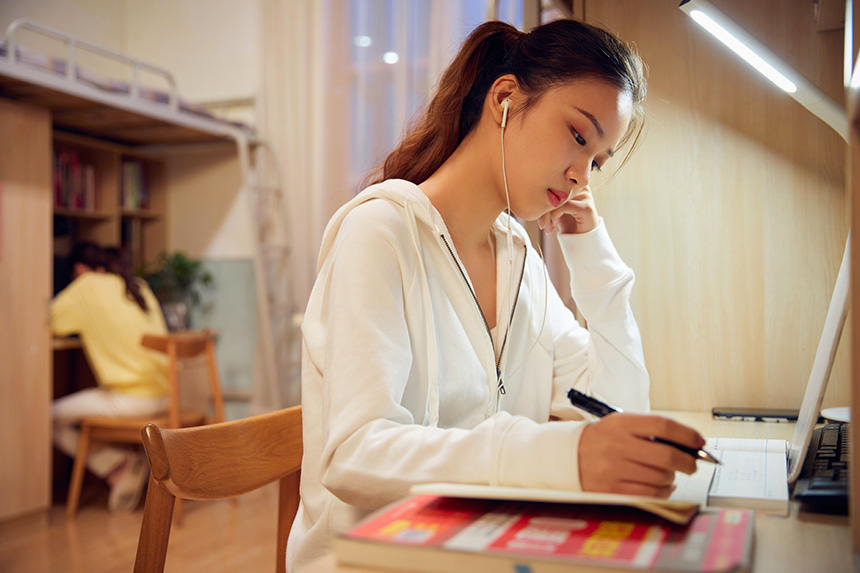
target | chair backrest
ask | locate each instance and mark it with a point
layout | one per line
(183, 345)
(216, 462)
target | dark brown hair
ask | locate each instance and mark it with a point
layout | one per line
(118, 262)
(548, 56)
(114, 261)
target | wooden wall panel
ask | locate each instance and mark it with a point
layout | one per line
(733, 211)
(25, 279)
(854, 296)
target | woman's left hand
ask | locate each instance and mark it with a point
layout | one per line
(576, 215)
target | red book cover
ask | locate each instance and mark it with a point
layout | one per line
(539, 534)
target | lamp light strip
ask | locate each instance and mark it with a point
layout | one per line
(769, 64)
(743, 51)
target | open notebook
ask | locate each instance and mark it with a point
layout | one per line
(757, 473)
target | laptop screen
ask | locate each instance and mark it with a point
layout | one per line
(821, 368)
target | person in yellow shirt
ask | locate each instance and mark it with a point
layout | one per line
(111, 310)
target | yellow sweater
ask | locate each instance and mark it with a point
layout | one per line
(111, 326)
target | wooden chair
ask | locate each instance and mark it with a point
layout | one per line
(219, 461)
(104, 429)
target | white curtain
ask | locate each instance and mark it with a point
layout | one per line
(341, 80)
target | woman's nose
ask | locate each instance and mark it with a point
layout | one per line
(578, 176)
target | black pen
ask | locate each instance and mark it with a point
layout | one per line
(600, 409)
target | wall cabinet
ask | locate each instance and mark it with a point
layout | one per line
(25, 279)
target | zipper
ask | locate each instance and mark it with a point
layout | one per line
(501, 383)
(511, 320)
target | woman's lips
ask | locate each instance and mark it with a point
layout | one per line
(556, 197)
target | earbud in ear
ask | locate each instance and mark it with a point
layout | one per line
(505, 105)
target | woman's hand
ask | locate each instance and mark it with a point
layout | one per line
(616, 456)
(576, 215)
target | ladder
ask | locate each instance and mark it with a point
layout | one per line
(277, 318)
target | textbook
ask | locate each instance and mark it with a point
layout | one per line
(432, 533)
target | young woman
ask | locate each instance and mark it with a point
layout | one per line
(111, 310)
(435, 348)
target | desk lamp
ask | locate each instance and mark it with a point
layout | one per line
(822, 106)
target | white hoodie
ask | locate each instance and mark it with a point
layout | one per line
(399, 379)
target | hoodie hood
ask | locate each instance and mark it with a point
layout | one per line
(417, 210)
(412, 199)
(403, 193)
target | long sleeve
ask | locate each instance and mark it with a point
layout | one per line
(606, 360)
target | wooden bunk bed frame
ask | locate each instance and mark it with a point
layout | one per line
(133, 115)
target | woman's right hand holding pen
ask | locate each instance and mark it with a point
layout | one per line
(616, 454)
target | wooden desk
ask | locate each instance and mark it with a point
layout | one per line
(800, 542)
(65, 343)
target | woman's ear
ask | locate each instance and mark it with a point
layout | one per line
(504, 88)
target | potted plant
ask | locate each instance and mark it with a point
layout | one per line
(177, 281)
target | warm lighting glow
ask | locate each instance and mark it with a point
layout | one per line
(769, 64)
(740, 49)
(847, 56)
(390, 57)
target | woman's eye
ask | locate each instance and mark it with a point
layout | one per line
(579, 139)
(595, 166)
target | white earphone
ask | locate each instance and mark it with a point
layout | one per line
(509, 235)
(505, 104)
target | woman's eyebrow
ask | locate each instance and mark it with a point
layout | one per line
(592, 119)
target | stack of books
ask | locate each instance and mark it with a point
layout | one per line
(74, 182)
(429, 532)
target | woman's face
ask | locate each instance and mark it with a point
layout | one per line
(552, 149)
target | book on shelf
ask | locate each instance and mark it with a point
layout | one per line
(74, 182)
(428, 533)
(135, 194)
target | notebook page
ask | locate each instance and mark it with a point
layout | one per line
(754, 469)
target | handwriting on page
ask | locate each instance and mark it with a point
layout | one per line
(751, 468)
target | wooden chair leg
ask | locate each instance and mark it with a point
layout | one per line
(288, 489)
(178, 515)
(154, 529)
(78, 472)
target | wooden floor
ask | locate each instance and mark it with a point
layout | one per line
(217, 536)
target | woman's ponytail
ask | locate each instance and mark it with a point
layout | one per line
(547, 56)
(455, 108)
(118, 263)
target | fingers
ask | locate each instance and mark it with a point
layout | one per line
(576, 215)
(616, 454)
(647, 426)
(660, 456)
(632, 488)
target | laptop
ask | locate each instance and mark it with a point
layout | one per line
(757, 473)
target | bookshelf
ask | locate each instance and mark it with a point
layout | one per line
(43, 212)
(109, 194)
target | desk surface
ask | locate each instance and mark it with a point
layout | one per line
(65, 343)
(800, 542)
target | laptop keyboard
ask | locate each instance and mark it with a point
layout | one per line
(823, 480)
